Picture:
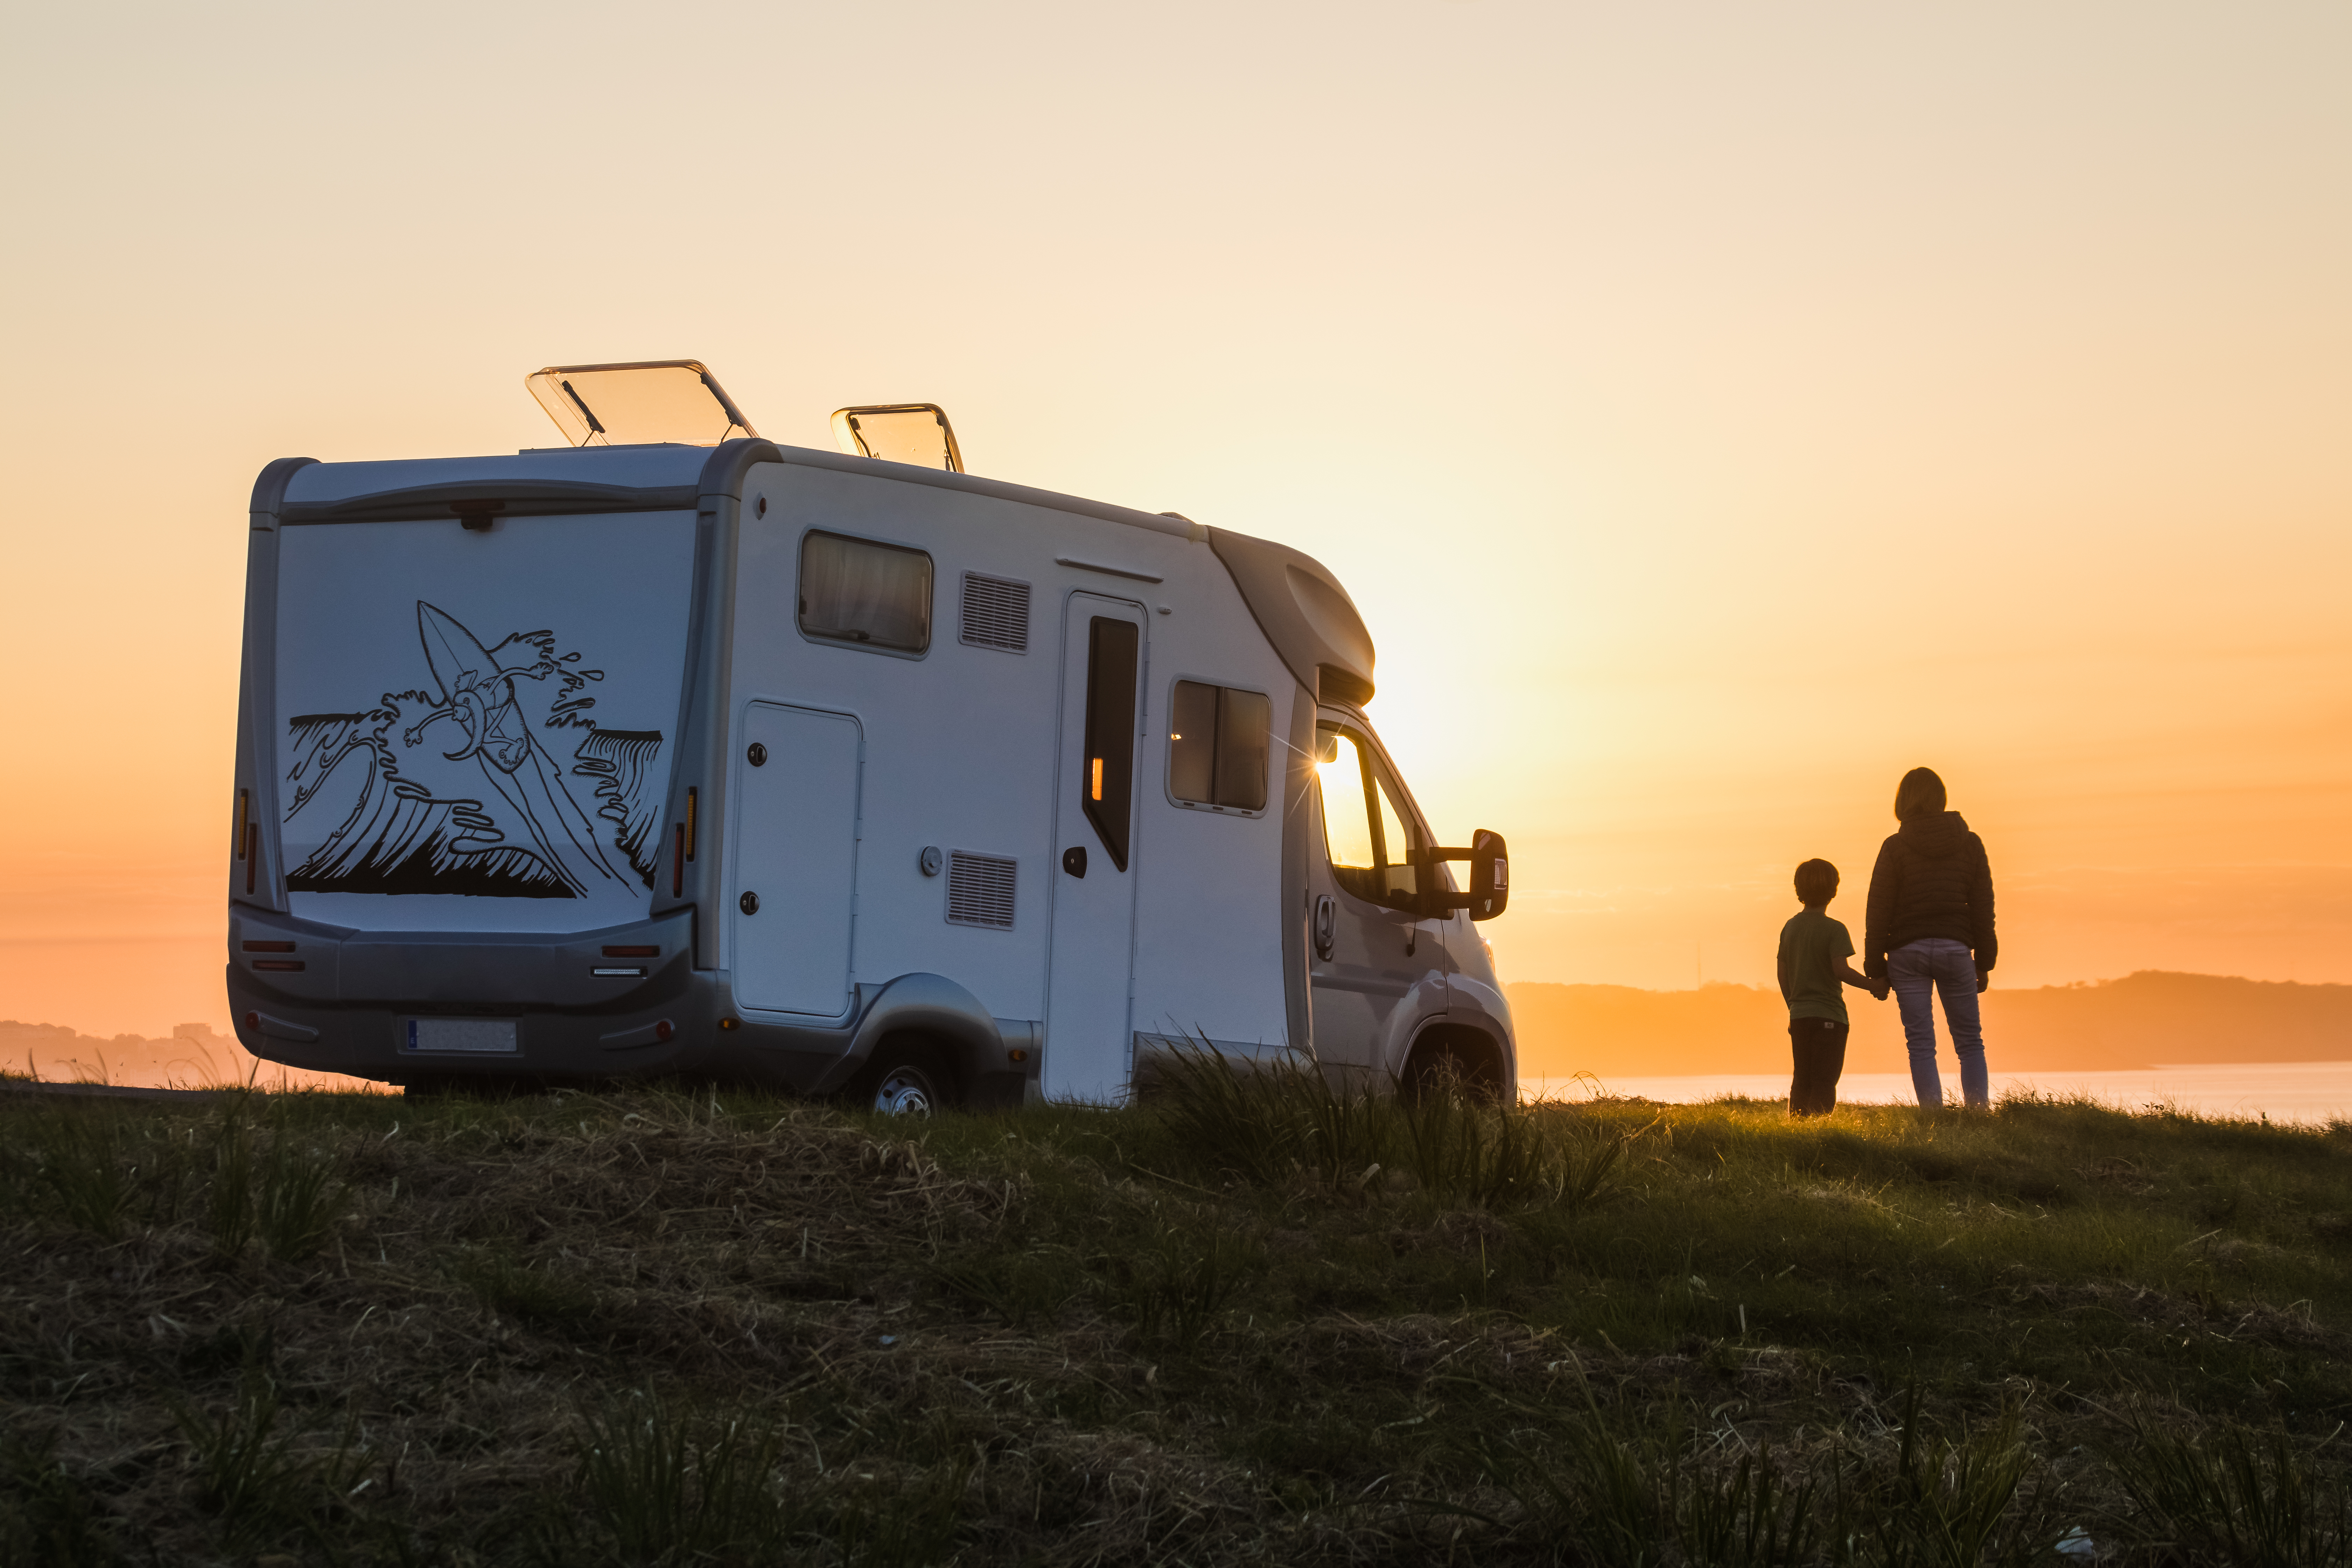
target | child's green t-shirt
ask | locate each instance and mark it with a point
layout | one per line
(1811, 945)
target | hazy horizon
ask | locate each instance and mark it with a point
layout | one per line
(1713, 410)
(2128, 1022)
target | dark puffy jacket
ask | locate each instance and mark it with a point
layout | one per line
(1932, 879)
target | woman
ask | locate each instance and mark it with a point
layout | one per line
(1928, 928)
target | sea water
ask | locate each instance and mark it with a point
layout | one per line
(2283, 1091)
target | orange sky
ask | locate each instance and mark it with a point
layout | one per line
(1715, 409)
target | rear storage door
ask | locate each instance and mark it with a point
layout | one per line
(796, 859)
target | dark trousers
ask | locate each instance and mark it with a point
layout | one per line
(1818, 1047)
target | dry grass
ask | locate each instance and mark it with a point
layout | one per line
(679, 1327)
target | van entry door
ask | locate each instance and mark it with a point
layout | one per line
(1089, 1046)
(1377, 972)
(796, 781)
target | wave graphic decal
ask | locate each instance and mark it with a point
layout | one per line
(396, 776)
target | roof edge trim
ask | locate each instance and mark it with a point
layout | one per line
(972, 484)
(269, 489)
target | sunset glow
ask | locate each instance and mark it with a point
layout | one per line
(1714, 412)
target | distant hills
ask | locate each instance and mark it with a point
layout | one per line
(2152, 1018)
(193, 1056)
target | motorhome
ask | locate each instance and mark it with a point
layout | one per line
(677, 751)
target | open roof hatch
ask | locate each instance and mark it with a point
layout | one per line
(916, 433)
(657, 401)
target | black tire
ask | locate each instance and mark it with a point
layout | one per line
(907, 1078)
(1436, 1069)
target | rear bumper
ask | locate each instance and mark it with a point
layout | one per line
(348, 1009)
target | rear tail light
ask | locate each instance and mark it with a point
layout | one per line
(690, 822)
(663, 1030)
(268, 947)
(633, 952)
(677, 865)
(290, 965)
(252, 853)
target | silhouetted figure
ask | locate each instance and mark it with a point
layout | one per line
(1929, 928)
(1813, 975)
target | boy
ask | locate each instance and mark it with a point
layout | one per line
(1814, 953)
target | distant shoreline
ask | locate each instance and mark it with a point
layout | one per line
(2141, 1023)
(2311, 1094)
(2133, 1024)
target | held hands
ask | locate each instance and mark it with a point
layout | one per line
(1878, 989)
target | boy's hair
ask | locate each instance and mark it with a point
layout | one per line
(1921, 791)
(1817, 882)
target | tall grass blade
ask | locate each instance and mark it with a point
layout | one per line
(667, 1484)
(229, 1204)
(299, 1201)
(80, 1158)
(2244, 1498)
(249, 1471)
(48, 1516)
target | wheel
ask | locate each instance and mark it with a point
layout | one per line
(1438, 1070)
(907, 1079)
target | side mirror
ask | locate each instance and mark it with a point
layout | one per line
(1490, 877)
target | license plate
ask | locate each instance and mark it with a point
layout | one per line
(468, 1036)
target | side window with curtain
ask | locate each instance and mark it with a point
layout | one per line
(864, 592)
(1367, 835)
(1218, 737)
(1107, 786)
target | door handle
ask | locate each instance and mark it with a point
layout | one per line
(1327, 926)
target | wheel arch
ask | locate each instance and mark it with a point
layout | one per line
(934, 1008)
(1479, 1057)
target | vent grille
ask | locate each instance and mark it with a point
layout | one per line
(980, 890)
(995, 612)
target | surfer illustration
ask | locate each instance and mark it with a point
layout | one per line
(476, 694)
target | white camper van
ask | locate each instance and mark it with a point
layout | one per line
(676, 750)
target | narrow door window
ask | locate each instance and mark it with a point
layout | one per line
(1107, 785)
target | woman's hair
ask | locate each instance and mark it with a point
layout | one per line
(1921, 791)
(1817, 882)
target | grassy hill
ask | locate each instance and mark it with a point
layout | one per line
(2148, 1019)
(1233, 1325)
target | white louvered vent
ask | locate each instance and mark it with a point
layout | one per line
(980, 890)
(995, 612)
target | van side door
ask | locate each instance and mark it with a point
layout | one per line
(1376, 969)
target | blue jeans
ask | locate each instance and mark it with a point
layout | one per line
(1939, 964)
